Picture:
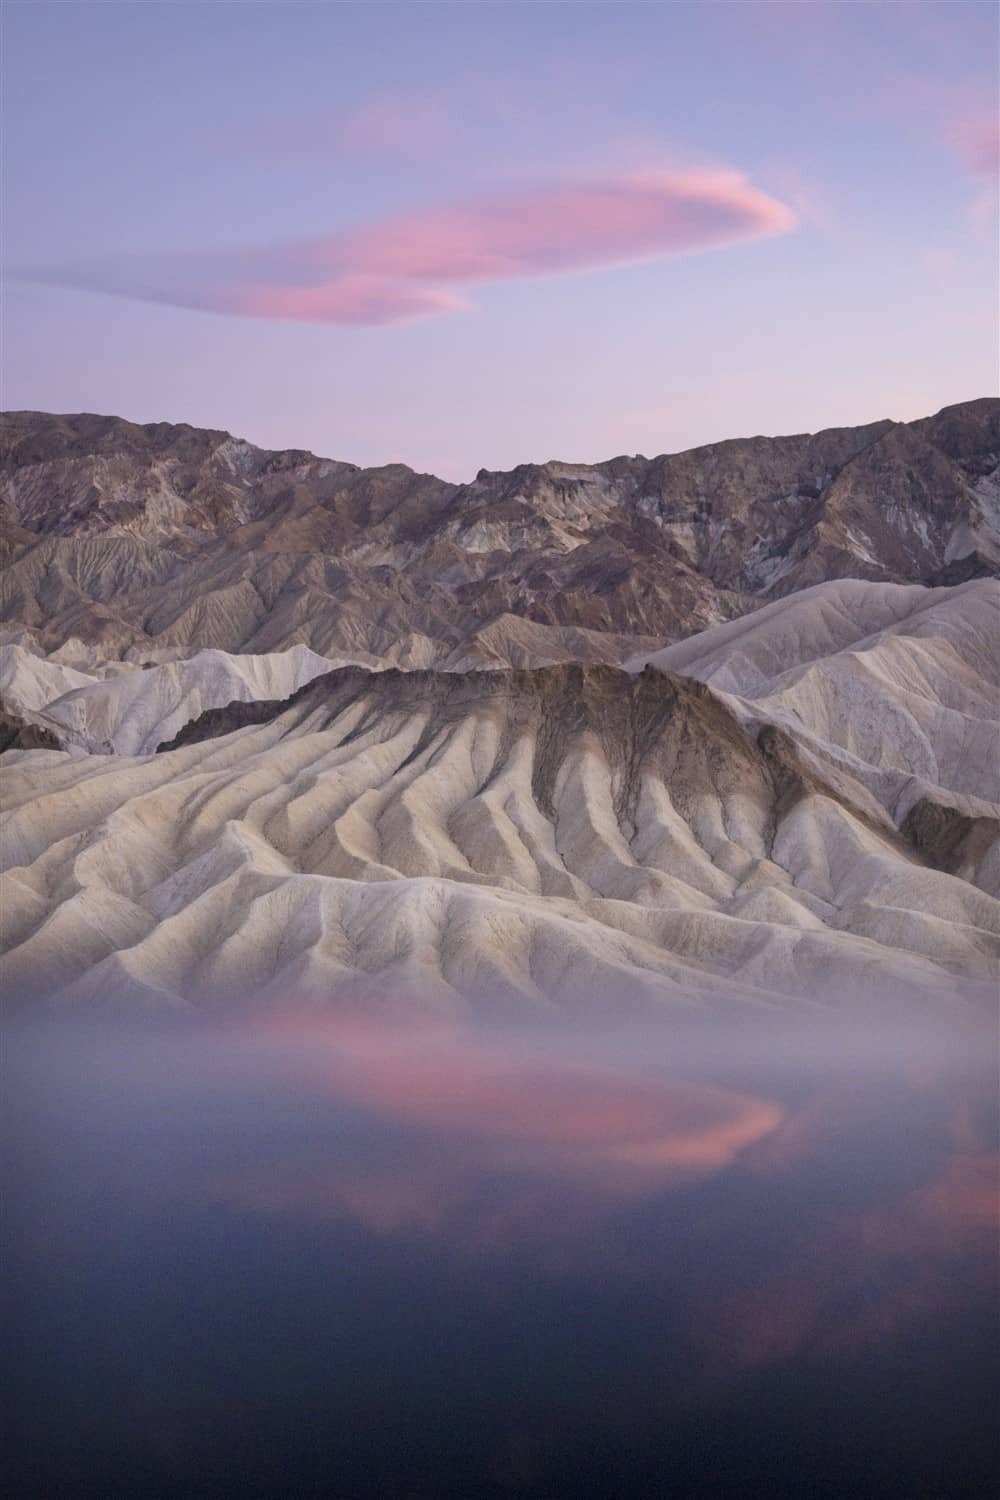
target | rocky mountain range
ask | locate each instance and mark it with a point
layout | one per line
(162, 539)
(708, 728)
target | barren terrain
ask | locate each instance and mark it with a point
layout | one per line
(694, 731)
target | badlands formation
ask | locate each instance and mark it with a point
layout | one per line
(713, 729)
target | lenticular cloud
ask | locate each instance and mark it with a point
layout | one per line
(417, 265)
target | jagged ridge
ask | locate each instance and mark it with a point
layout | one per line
(166, 538)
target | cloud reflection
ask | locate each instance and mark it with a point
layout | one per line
(513, 1098)
(500, 1144)
(342, 1221)
(504, 1146)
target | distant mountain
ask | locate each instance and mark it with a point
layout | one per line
(161, 540)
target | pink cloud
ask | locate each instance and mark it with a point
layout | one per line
(360, 300)
(979, 143)
(408, 267)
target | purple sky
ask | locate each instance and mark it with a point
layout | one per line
(465, 235)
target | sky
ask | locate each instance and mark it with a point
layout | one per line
(467, 236)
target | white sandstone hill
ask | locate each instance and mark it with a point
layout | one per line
(134, 711)
(814, 820)
(898, 685)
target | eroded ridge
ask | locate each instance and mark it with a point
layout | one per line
(568, 835)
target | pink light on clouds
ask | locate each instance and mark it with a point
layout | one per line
(403, 268)
(979, 143)
(352, 300)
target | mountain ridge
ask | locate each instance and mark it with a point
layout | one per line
(947, 421)
(207, 541)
